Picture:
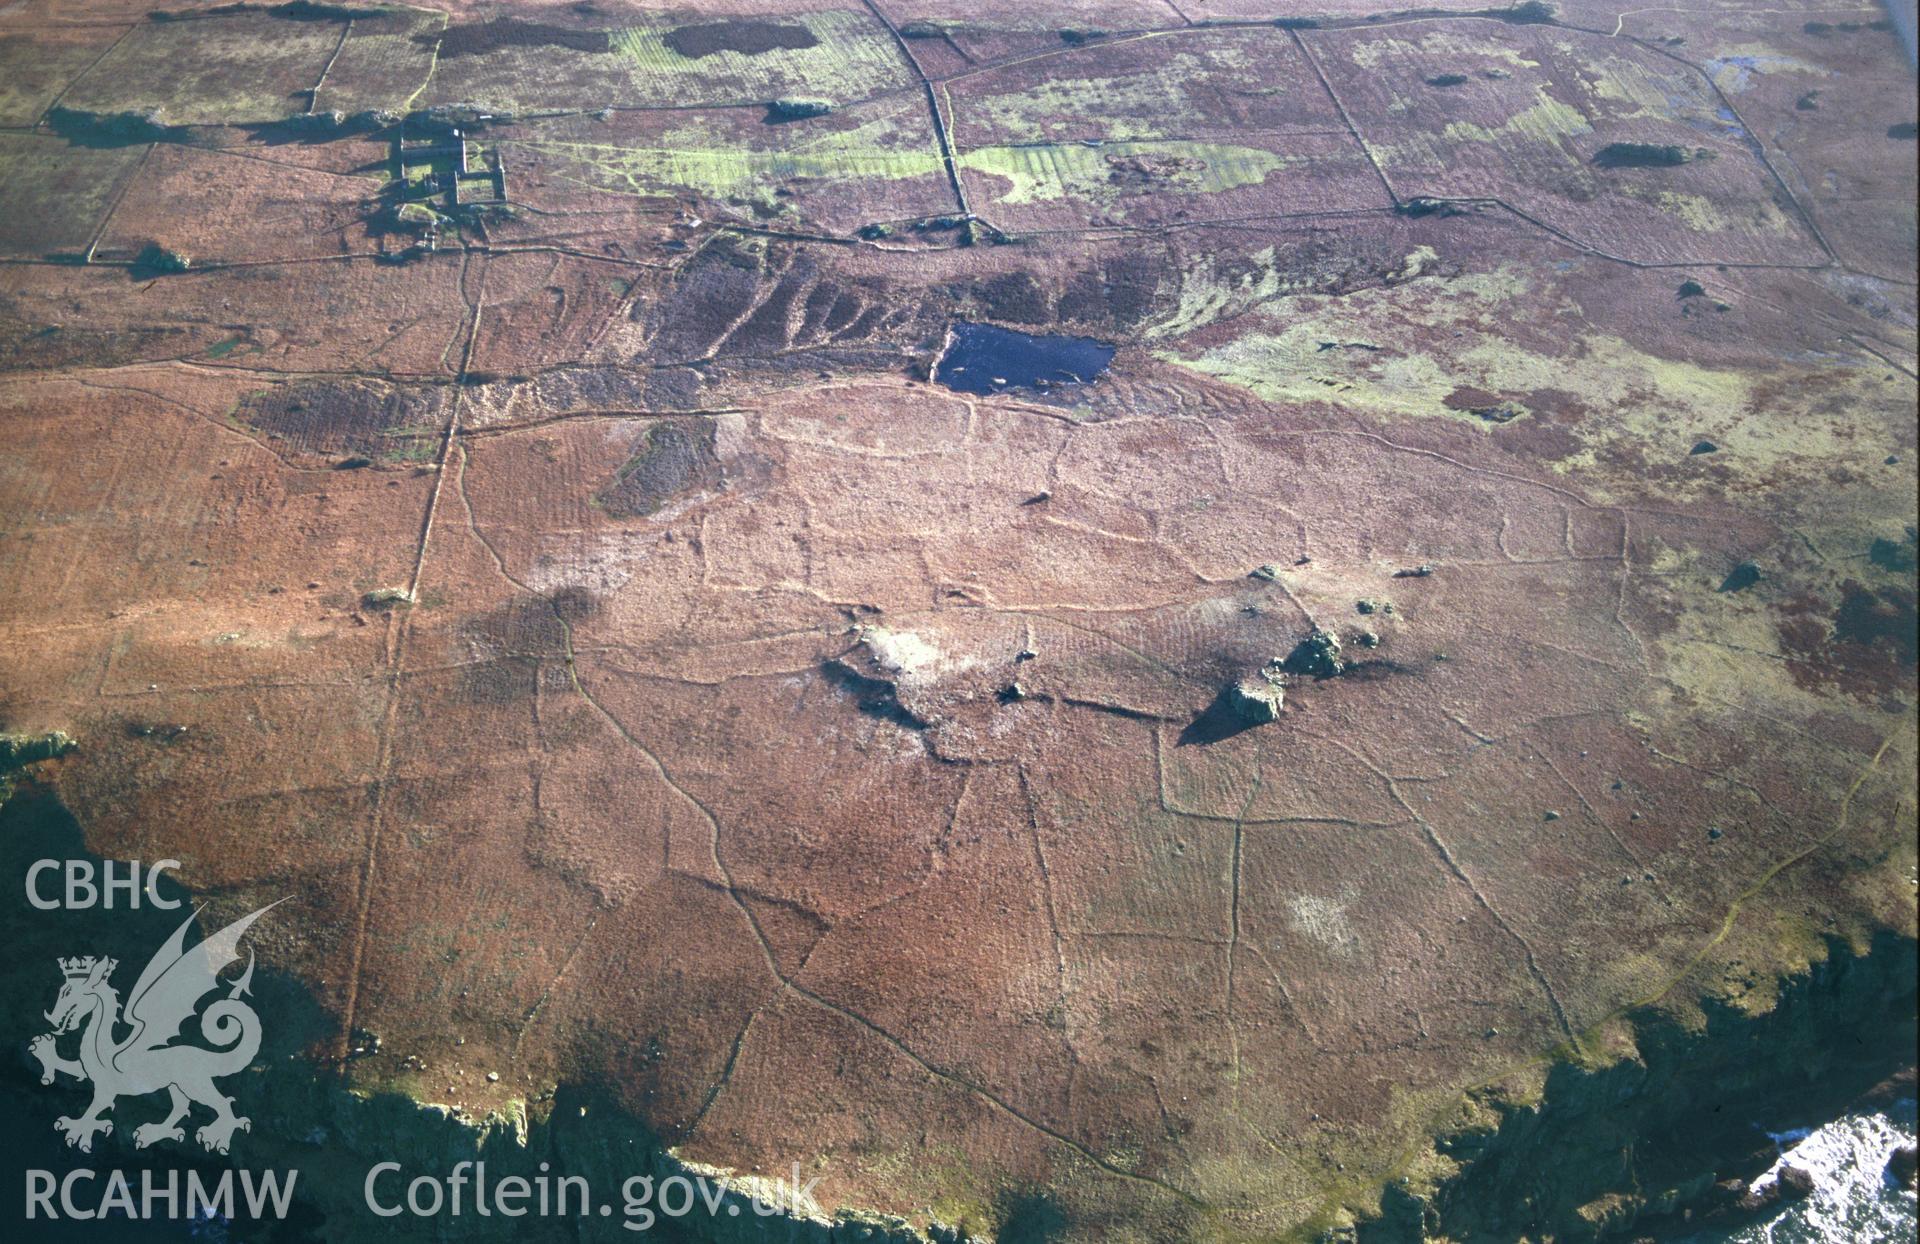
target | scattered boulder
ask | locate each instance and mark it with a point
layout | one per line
(1901, 1164)
(1448, 79)
(1257, 698)
(1740, 578)
(385, 598)
(1703, 447)
(1414, 572)
(1793, 1183)
(1796, 1183)
(1692, 289)
(1316, 656)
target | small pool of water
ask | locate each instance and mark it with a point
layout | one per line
(981, 358)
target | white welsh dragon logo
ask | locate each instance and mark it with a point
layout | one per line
(142, 1061)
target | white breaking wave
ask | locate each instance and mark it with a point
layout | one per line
(1854, 1201)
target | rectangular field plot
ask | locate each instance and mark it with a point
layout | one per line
(978, 36)
(328, 317)
(1823, 100)
(1184, 84)
(53, 195)
(1613, 145)
(1594, 14)
(233, 69)
(1081, 185)
(874, 162)
(518, 66)
(34, 67)
(218, 206)
(385, 61)
(712, 60)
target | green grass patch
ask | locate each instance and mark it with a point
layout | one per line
(722, 157)
(723, 173)
(1111, 170)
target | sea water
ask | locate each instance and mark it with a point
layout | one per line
(1854, 1200)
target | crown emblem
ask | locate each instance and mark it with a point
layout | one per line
(78, 969)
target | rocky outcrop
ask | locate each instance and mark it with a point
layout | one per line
(1604, 1151)
(1794, 1183)
(17, 751)
(1901, 1164)
(1256, 699)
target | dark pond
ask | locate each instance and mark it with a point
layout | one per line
(983, 359)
